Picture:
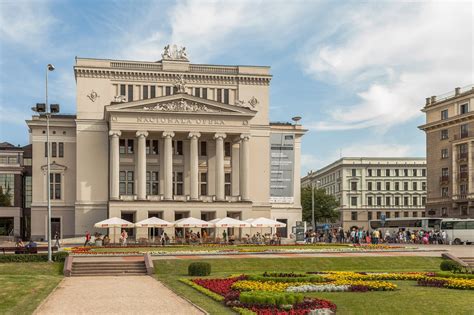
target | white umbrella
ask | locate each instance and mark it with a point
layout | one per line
(265, 222)
(114, 223)
(192, 223)
(230, 222)
(154, 222)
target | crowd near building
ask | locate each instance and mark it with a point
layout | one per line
(16, 185)
(449, 132)
(369, 188)
(169, 139)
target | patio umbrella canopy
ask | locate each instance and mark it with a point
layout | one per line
(264, 222)
(230, 223)
(114, 223)
(154, 222)
(192, 223)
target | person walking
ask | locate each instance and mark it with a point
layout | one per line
(88, 238)
(57, 237)
(124, 237)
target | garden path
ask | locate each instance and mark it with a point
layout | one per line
(114, 295)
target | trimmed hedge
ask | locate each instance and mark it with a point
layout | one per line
(304, 278)
(270, 298)
(199, 269)
(57, 257)
(446, 274)
(449, 265)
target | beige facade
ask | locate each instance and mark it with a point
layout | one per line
(169, 139)
(368, 187)
(449, 132)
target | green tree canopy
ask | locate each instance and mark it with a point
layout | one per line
(324, 205)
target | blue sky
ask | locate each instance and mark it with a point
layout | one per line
(357, 72)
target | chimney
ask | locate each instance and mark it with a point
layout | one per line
(433, 99)
(457, 91)
(428, 101)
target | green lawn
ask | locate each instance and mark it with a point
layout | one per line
(410, 299)
(25, 285)
(214, 248)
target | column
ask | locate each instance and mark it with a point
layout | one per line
(168, 165)
(470, 168)
(194, 165)
(114, 155)
(244, 166)
(141, 164)
(219, 137)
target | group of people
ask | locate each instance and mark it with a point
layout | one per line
(267, 238)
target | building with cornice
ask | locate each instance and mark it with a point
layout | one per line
(449, 132)
(169, 139)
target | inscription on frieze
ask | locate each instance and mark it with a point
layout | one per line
(179, 121)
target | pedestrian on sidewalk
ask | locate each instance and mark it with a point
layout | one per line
(88, 238)
(57, 237)
(124, 237)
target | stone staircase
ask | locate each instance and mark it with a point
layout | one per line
(468, 261)
(108, 268)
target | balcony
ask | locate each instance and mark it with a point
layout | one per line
(462, 197)
(444, 180)
(464, 176)
(462, 156)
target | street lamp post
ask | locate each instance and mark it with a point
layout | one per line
(313, 221)
(47, 111)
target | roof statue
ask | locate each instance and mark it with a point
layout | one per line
(180, 84)
(174, 53)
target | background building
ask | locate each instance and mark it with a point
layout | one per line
(169, 139)
(15, 179)
(449, 132)
(367, 187)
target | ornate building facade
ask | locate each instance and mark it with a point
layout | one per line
(169, 139)
(449, 132)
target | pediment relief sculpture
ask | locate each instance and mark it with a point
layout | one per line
(181, 106)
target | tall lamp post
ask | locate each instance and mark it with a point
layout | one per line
(46, 111)
(313, 222)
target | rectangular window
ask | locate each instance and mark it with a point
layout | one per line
(423, 201)
(54, 149)
(397, 214)
(445, 172)
(387, 173)
(369, 201)
(219, 95)
(354, 201)
(379, 215)
(354, 216)
(463, 109)
(444, 134)
(369, 172)
(203, 148)
(444, 153)
(168, 90)
(152, 183)
(379, 185)
(228, 184)
(145, 92)
(178, 183)
(397, 201)
(126, 184)
(130, 149)
(369, 215)
(397, 172)
(415, 201)
(464, 131)
(353, 185)
(387, 185)
(423, 172)
(204, 93)
(379, 172)
(123, 90)
(61, 149)
(227, 149)
(28, 192)
(55, 186)
(405, 201)
(369, 186)
(405, 186)
(226, 96)
(203, 184)
(122, 146)
(405, 214)
(415, 186)
(444, 114)
(179, 147)
(405, 172)
(379, 201)
(152, 147)
(354, 172)
(152, 91)
(130, 93)
(397, 186)
(415, 172)
(387, 215)
(197, 92)
(444, 192)
(415, 214)
(388, 201)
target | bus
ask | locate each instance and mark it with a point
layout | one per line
(459, 230)
(407, 224)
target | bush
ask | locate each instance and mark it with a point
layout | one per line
(58, 257)
(442, 274)
(270, 298)
(199, 269)
(449, 265)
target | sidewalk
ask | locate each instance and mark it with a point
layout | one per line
(114, 295)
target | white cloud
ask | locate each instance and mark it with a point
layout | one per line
(309, 162)
(395, 57)
(377, 150)
(27, 23)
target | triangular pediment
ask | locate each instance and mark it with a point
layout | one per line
(180, 103)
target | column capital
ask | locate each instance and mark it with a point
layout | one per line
(167, 134)
(220, 135)
(141, 133)
(194, 134)
(245, 136)
(115, 133)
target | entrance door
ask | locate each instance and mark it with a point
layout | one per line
(283, 231)
(55, 227)
(130, 217)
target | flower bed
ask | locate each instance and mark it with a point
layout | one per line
(450, 283)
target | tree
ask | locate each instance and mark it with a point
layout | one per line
(324, 205)
(5, 198)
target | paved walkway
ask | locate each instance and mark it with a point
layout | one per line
(114, 295)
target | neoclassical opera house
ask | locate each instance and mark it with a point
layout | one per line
(169, 139)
